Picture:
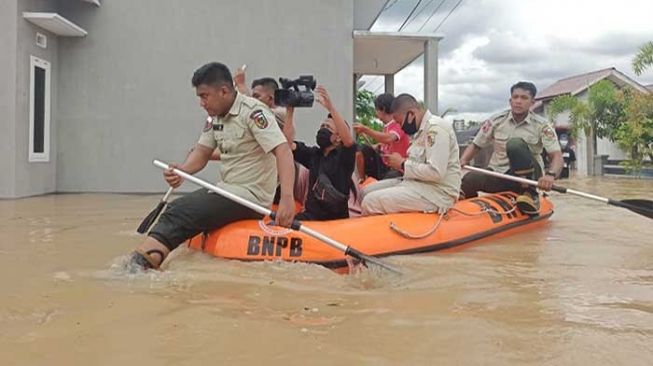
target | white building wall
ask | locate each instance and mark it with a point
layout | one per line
(607, 147)
(34, 178)
(8, 38)
(125, 95)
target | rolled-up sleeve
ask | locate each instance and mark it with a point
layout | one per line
(485, 135)
(207, 138)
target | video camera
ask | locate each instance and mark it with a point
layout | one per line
(289, 95)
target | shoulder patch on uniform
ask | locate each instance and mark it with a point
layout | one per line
(208, 125)
(549, 132)
(259, 119)
(430, 137)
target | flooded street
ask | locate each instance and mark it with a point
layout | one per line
(578, 291)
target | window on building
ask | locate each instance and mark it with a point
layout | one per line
(39, 110)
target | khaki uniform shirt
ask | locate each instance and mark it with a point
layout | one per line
(535, 130)
(246, 136)
(433, 165)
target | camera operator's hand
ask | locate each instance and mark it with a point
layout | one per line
(324, 98)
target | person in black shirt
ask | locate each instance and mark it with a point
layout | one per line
(330, 163)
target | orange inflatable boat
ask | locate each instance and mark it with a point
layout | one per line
(468, 221)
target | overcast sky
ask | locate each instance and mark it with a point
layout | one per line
(490, 44)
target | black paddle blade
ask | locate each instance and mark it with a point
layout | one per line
(150, 218)
(642, 207)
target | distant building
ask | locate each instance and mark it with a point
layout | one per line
(91, 91)
(578, 86)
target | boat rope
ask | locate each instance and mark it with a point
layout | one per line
(408, 235)
(483, 211)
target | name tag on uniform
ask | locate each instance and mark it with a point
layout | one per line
(218, 127)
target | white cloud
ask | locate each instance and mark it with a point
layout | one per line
(490, 44)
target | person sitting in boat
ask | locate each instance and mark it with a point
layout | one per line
(392, 140)
(262, 89)
(431, 172)
(518, 136)
(330, 163)
(253, 152)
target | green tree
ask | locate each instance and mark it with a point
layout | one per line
(472, 124)
(599, 116)
(635, 135)
(643, 59)
(366, 114)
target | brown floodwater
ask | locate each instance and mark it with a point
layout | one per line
(578, 291)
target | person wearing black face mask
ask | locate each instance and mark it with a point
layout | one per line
(330, 163)
(410, 123)
(431, 179)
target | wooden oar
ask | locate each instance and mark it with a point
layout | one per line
(296, 225)
(151, 217)
(639, 206)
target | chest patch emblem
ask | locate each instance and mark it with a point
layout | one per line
(259, 119)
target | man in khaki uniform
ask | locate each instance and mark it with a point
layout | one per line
(431, 179)
(250, 143)
(518, 136)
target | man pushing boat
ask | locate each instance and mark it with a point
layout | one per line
(252, 151)
(518, 136)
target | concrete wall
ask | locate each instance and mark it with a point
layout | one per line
(7, 97)
(125, 95)
(34, 178)
(366, 12)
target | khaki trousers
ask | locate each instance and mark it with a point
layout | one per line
(390, 196)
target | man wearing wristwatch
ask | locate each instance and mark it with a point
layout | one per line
(518, 137)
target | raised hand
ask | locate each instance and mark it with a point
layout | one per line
(323, 98)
